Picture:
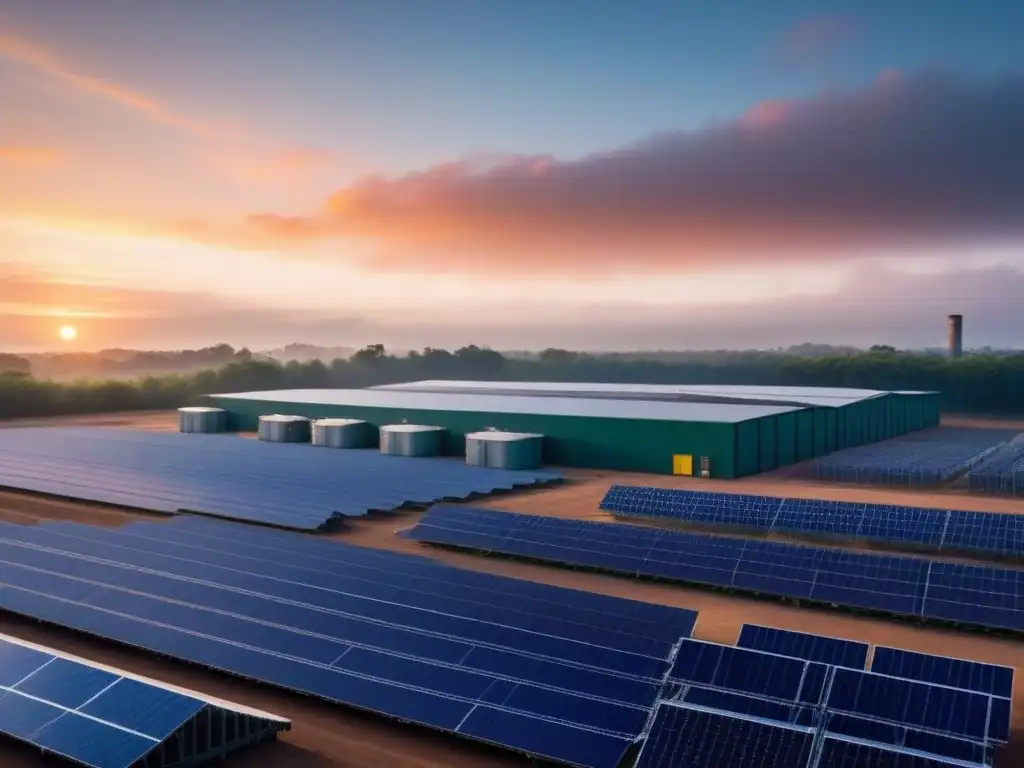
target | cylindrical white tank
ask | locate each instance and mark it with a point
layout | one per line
(341, 433)
(197, 419)
(410, 440)
(277, 428)
(505, 450)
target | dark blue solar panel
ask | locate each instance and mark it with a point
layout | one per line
(950, 711)
(742, 704)
(684, 736)
(749, 671)
(955, 673)
(990, 597)
(930, 528)
(973, 594)
(843, 753)
(554, 741)
(92, 743)
(364, 600)
(90, 715)
(898, 736)
(18, 662)
(66, 683)
(401, 652)
(21, 717)
(293, 486)
(389, 574)
(827, 650)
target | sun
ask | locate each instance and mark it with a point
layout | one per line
(69, 333)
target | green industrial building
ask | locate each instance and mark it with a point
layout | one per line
(721, 432)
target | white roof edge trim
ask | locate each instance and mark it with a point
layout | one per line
(222, 703)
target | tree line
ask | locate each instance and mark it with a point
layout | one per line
(979, 383)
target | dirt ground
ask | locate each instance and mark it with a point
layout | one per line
(324, 735)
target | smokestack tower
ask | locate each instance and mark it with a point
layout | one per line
(956, 335)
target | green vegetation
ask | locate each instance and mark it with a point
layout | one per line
(979, 383)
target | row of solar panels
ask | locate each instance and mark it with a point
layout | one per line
(289, 486)
(1002, 472)
(897, 714)
(991, 533)
(98, 716)
(555, 673)
(965, 594)
(698, 737)
(785, 699)
(940, 456)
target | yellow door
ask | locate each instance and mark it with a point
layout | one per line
(682, 464)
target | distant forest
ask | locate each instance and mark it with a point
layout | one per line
(980, 383)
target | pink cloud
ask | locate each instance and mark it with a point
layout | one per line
(910, 160)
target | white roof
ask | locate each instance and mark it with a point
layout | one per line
(277, 417)
(503, 437)
(410, 428)
(816, 396)
(337, 422)
(652, 410)
(199, 409)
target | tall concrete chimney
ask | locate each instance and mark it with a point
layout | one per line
(956, 335)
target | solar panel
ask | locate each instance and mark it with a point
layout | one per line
(989, 533)
(849, 753)
(748, 671)
(802, 645)
(99, 716)
(290, 486)
(950, 711)
(303, 622)
(943, 670)
(897, 736)
(691, 736)
(973, 595)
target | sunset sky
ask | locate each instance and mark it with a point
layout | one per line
(650, 174)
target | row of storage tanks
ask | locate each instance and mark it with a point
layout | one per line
(501, 450)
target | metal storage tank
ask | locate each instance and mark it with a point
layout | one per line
(277, 428)
(202, 420)
(341, 433)
(505, 450)
(410, 440)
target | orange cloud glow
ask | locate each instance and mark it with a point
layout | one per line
(32, 156)
(815, 178)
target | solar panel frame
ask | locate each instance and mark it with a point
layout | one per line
(921, 705)
(803, 645)
(679, 736)
(844, 752)
(994, 679)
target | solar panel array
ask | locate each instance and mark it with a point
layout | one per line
(964, 594)
(928, 458)
(291, 486)
(1002, 473)
(936, 529)
(724, 705)
(555, 673)
(98, 717)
